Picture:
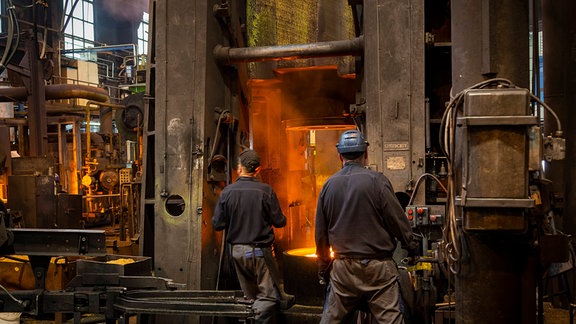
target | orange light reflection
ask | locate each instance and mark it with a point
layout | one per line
(309, 252)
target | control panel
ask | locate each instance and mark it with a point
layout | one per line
(431, 215)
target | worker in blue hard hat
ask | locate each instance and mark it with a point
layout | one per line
(359, 217)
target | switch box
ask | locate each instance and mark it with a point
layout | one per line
(432, 215)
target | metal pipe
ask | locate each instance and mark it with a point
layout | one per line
(57, 91)
(230, 55)
(67, 91)
(13, 122)
(119, 47)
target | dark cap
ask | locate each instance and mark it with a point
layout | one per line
(250, 160)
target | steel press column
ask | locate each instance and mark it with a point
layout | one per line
(184, 86)
(393, 89)
(495, 281)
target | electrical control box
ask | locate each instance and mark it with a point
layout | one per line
(426, 215)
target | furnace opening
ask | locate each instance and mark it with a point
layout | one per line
(297, 118)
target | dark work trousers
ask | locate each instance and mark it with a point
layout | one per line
(358, 284)
(256, 280)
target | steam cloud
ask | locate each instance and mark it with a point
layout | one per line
(130, 10)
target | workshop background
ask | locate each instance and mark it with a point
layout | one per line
(121, 122)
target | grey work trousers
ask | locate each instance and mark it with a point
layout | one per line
(370, 285)
(256, 280)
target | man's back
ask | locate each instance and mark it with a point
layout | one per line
(361, 214)
(248, 208)
(359, 217)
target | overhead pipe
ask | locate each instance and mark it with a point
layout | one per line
(232, 55)
(103, 48)
(57, 91)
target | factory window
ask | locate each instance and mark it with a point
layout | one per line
(3, 27)
(79, 27)
(143, 34)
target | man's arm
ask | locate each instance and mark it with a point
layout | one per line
(277, 218)
(219, 219)
(394, 215)
(322, 242)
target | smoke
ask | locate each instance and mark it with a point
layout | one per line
(130, 10)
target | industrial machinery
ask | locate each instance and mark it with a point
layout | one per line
(115, 287)
(71, 137)
(449, 120)
(449, 95)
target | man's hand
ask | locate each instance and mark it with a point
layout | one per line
(323, 277)
(413, 249)
(324, 272)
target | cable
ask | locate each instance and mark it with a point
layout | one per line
(14, 20)
(411, 200)
(216, 139)
(18, 301)
(45, 37)
(559, 130)
(447, 135)
(10, 37)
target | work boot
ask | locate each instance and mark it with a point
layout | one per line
(286, 300)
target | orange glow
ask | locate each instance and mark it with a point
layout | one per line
(309, 252)
(296, 119)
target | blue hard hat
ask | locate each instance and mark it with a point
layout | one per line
(351, 141)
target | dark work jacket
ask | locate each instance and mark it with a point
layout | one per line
(248, 209)
(359, 216)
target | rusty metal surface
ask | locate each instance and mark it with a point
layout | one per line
(481, 42)
(186, 86)
(116, 303)
(301, 278)
(558, 91)
(495, 281)
(496, 285)
(123, 265)
(285, 22)
(69, 211)
(16, 272)
(393, 89)
(32, 198)
(336, 48)
(495, 153)
(51, 242)
(212, 303)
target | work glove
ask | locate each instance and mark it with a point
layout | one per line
(324, 272)
(323, 277)
(413, 250)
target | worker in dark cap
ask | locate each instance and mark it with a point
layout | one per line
(360, 218)
(248, 210)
